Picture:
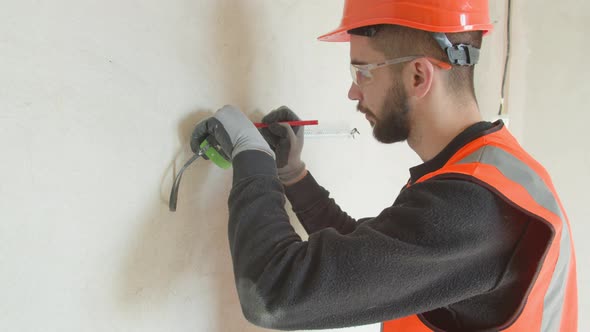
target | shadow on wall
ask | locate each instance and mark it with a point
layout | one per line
(188, 249)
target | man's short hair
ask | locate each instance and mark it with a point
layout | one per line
(399, 41)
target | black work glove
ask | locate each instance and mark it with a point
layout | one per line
(286, 142)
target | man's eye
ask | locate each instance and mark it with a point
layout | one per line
(363, 76)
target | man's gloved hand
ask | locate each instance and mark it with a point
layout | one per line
(287, 143)
(232, 130)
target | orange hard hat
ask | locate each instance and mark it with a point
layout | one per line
(440, 16)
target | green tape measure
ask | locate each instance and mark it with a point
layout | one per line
(209, 149)
(212, 151)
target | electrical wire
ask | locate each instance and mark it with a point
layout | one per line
(507, 61)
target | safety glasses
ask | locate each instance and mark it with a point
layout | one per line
(361, 74)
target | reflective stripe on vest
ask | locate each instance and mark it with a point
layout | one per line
(498, 162)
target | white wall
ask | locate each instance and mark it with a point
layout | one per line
(97, 100)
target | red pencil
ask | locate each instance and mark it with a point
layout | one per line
(291, 123)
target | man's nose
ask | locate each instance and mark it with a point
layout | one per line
(354, 93)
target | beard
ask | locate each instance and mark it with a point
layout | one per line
(394, 124)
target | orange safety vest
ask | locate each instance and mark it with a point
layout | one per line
(499, 163)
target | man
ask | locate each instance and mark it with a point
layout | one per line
(476, 241)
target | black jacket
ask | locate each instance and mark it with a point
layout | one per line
(449, 250)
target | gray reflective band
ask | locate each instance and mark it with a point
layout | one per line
(517, 171)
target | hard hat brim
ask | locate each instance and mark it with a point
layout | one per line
(341, 34)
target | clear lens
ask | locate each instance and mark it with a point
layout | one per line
(353, 74)
(363, 76)
(359, 76)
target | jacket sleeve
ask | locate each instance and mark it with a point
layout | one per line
(315, 209)
(440, 243)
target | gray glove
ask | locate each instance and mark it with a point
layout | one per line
(286, 142)
(232, 130)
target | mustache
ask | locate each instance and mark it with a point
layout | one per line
(364, 109)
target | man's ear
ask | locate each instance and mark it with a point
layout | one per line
(419, 76)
